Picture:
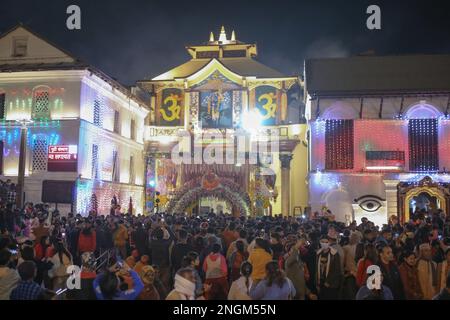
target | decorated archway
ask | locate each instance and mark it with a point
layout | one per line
(209, 186)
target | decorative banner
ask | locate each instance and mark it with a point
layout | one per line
(216, 109)
(62, 158)
(166, 176)
(171, 107)
(266, 101)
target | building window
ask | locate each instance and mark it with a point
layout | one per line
(94, 167)
(133, 129)
(234, 53)
(131, 171)
(207, 54)
(40, 149)
(41, 109)
(20, 47)
(339, 144)
(423, 144)
(2, 105)
(115, 169)
(116, 122)
(98, 121)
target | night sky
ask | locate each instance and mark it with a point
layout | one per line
(132, 40)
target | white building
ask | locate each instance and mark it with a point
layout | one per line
(379, 135)
(73, 106)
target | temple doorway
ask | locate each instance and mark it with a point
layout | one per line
(425, 195)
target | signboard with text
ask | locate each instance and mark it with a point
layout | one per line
(62, 158)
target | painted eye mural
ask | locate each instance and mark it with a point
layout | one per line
(369, 203)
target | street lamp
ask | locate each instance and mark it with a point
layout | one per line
(22, 156)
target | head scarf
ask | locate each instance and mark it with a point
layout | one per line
(185, 287)
(147, 275)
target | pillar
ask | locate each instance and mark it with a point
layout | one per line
(391, 198)
(21, 175)
(285, 160)
(186, 113)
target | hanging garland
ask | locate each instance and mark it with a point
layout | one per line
(192, 191)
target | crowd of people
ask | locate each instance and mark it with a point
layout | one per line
(221, 257)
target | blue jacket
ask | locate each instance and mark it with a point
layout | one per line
(130, 294)
(262, 292)
(364, 293)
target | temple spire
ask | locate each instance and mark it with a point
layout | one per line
(211, 37)
(233, 36)
(223, 35)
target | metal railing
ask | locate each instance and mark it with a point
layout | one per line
(104, 259)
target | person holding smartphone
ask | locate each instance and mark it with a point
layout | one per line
(108, 286)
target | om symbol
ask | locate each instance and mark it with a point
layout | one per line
(173, 107)
(269, 106)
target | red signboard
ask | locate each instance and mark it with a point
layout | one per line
(62, 158)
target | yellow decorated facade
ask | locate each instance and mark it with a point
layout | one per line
(203, 109)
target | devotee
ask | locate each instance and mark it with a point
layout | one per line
(120, 235)
(329, 274)
(27, 289)
(445, 292)
(242, 237)
(428, 275)
(230, 235)
(216, 271)
(443, 270)
(87, 276)
(9, 278)
(179, 250)
(60, 261)
(108, 286)
(149, 292)
(87, 240)
(259, 257)
(295, 270)
(410, 276)
(184, 287)
(160, 256)
(377, 293)
(370, 258)
(240, 288)
(143, 261)
(140, 238)
(275, 285)
(391, 274)
(349, 284)
(275, 246)
(236, 259)
(192, 261)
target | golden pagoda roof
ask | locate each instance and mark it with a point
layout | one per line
(245, 67)
(234, 55)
